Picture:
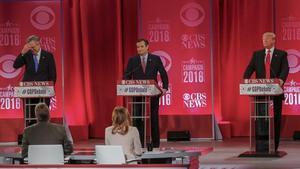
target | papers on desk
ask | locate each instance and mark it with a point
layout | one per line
(163, 152)
(168, 154)
(154, 152)
(83, 155)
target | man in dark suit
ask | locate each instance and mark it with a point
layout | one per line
(270, 63)
(146, 66)
(44, 132)
(39, 65)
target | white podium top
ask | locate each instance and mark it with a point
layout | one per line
(138, 88)
(260, 87)
(42, 89)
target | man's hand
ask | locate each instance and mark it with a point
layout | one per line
(280, 82)
(164, 91)
(25, 49)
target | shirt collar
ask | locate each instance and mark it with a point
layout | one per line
(39, 53)
(272, 50)
(144, 56)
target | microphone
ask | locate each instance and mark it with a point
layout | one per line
(132, 71)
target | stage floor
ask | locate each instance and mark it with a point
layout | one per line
(225, 154)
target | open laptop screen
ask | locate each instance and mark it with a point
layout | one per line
(109, 154)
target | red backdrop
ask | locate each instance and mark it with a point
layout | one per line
(242, 23)
(100, 35)
(181, 36)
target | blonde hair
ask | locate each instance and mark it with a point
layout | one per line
(120, 120)
(270, 34)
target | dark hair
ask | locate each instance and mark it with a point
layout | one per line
(42, 112)
(143, 40)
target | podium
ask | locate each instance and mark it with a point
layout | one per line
(38, 90)
(137, 95)
(261, 134)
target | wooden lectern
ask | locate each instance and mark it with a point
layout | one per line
(261, 116)
(28, 90)
(137, 98)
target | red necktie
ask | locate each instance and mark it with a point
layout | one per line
(268, 64)
(144, 63)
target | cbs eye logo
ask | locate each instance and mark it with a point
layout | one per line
(192, 14)
(186, 96)
(42, 17)
(6, 67)
(294, 60)
(165, 58)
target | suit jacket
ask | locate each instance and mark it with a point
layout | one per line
(130, 142)
(46, 70)
(154, 65)
(45, 133)
(279, 65)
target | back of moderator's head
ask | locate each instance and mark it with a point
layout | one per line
(42, 112)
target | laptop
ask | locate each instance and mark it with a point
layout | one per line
(110, 154)
(45, 154)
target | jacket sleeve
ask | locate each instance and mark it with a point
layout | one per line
(107, 134)
(250, 68)
(20, 61)
(129, 70)
(25, 144)
(163, 74)
(136, 142)
(284, 67)
(52, 68)
(67, 145)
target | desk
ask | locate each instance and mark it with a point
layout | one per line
(168, 154)
(88, 154)
(70, 166)
(188, 156)
(89, 157)
(11, 152)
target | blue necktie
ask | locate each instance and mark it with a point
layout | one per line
(36, 62)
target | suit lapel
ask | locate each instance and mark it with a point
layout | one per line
(139, 63)
(148, 63)
(274, 58)
(41, 61)
(262, 58)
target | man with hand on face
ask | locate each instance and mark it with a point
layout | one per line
(147, 66)
(39, 64)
